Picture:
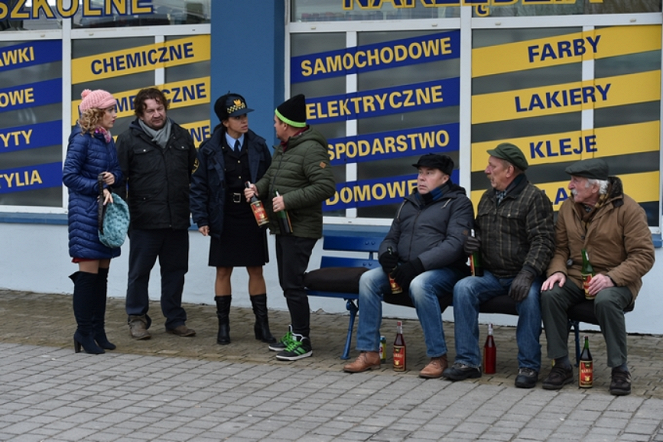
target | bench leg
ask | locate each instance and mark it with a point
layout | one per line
(353, 309)
(575, 325)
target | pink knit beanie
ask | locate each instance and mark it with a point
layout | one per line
(97, 99)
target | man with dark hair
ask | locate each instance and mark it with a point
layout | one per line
(515, 235)
(301, 174)
(424, 253)
(612, 228)
(157, 157)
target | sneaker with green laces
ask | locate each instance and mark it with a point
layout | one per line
(299, 348)
(283, 343)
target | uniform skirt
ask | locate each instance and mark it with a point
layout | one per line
(242, 243)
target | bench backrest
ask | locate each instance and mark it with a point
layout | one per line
(351, 243)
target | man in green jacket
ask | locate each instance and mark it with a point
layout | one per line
(599, 218)
(297, 182)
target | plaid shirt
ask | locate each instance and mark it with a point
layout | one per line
(518, 233)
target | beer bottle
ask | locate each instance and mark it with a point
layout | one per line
(489, 352)
(285, 226)
(399, 348)
(383, 349)
(587, 272)
(258, 209)
(475, 261)
(586, 365)
(395, 287)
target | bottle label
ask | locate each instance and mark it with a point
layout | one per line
(383, 349)
(399, 358)
(586, 375)
(395, 287)
(586, 278)
(259, 213)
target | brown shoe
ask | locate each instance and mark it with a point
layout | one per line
(434, 368)
(182, 331)
(367, 360)
(138, 327)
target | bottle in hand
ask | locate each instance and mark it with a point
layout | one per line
(489, 352)
(475, 261)
(258, 209)
(586, 366)
(285, 226)
(399, 348)
(587, 272)
(395, 287)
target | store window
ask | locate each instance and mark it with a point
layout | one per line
(381, 104)
(352, 10)
(25, 15)
(31, 123)
(566, 94)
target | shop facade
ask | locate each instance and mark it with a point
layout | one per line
(386, 81)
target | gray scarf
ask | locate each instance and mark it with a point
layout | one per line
(160, 136)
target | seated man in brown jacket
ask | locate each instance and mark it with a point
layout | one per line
(612, 228)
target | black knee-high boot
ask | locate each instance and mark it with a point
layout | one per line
(261, 327)
(84, 298)
(99, 312)
(223, 312)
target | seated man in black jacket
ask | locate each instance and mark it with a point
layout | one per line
(424, 253)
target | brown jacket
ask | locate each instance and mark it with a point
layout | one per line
(615, 235)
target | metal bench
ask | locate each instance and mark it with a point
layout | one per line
(338, 277)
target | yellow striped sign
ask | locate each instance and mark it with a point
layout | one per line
(565, 49)
(181, 94)
(140, 59)
(569, 97)
(642, 187)
(577, 145)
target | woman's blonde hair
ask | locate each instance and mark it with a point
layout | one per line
(90, 119)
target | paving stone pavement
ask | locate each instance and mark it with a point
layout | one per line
(191, 389)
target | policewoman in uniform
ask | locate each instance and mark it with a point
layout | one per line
(231, 156)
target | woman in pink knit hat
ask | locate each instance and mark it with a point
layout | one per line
(90, 154)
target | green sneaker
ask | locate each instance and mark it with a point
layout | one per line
(299, 348)
(284, 342)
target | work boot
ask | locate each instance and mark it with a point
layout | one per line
(434, 368)
(559, 376)
(367, 360)
(261, 326)
(99, 311)
(223, 312)
(138, 327)
(620, 384)
(83, 300)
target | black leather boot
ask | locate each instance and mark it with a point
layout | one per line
(261, 327)
(84, 298)
(222, 312)
(99, 312)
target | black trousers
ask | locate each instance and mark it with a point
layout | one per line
(292, 256)
(172, 249)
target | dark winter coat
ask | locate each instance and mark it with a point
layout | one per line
(157, 180)
(434, 232)
(208, 183)
(304, 178)
(87, 156)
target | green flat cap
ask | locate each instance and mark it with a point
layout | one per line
(594, 168)
(510, 153)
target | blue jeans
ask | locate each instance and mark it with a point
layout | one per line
(424, 291)
(470, 293)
